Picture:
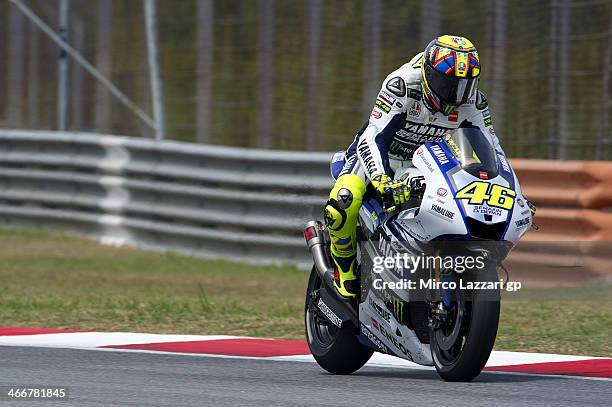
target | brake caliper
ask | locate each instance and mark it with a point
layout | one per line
(439, 316)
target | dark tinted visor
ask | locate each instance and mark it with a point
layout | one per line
(450, 89)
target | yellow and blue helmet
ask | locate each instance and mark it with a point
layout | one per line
(450, 69)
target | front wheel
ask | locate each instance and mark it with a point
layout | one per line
(336, 350)
(461, 347)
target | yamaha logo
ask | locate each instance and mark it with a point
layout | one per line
(439, 154)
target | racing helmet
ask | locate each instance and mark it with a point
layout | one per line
(450, 70)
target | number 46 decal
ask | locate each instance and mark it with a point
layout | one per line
(479, 192)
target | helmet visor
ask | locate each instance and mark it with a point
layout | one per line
(450, 89)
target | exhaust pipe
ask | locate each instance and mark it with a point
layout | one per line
(313, 233)
(315, 237)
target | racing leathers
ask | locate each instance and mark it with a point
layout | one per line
(400, 122)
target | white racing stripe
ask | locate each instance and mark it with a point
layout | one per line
(99, 339)
(504, 358)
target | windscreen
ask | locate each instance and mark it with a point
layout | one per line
(473, 151)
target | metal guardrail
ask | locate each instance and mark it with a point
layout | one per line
(206, 200)
(247, 204)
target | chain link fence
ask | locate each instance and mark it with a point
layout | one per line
(302, 75)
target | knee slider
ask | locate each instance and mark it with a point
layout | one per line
(337, 208)
(335, 216)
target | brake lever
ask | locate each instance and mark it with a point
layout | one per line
(417, 187)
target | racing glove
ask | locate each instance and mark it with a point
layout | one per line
(393, 193)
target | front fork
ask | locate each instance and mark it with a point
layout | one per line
(441, 301)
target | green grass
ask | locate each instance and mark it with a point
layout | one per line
(58, 281)
(566, 320)
(53, 280)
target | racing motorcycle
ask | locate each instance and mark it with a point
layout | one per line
(466, 202)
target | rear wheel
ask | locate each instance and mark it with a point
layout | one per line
(336, 350)
(462, 344)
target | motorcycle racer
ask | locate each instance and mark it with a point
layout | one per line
(419, 102)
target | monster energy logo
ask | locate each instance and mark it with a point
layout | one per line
(398, 309)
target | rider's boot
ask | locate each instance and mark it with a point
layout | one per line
(341, 213)
(345, 279)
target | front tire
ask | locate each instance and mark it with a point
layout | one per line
(336, 350)
(460, 356)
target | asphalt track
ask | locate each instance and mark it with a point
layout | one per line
(103, 378)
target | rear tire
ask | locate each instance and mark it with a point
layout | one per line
(336, 350)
